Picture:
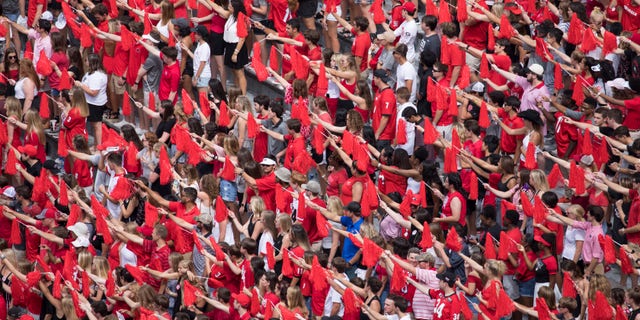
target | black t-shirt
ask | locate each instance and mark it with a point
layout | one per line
(33, 170)
(162, 189)
(165, 126)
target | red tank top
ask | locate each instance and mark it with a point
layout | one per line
(446, 209)
(350, 87)
(347, 188)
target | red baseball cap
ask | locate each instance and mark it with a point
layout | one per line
(409, 7)
(28, 149)
(50, 214)
(242, 299)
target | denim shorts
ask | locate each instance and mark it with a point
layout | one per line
(470, 301)
(526, 288)
(203, 82)
(228, 190)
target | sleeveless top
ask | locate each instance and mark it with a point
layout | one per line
(413, 185)
(350, 87)
(163, 29)
(525, 144)
(375, 298)
(504, 186)
(446, 209)
(347, 188)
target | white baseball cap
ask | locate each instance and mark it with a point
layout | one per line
(47, 15)
(536, 69)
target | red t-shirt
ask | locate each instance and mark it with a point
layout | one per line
(516, 236)
(308, 220)
(159, 260)
(232, 281)
(335, 180)
(62, 61)
(180, 11)
(360, 47)
(632, 120)
(267, 190)
(137, 55)
(630, 15)
(83, 173)
(385, 105)
(445, 119)
(246, 274)
(33, 9)
(32, 138)
(295, 146)
(476, 35)
(389, 182)
(508, 143)
(503, 62)
(169, 81)
(180, 210)
(634, 216)
(396, 17)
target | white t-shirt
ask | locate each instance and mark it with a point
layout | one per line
(407, 32)
(334, 297)
(410, 128)
(262, 246)
(230, 34)
(571, 235)
(202, 53)
(114, 207)
(405, 72)
(96, 81)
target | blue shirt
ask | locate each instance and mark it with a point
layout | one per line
(349, 250)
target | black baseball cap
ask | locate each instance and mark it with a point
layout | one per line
(448, 277)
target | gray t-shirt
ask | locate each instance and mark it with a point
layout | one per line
(276, 146)
(10, 6)
(388, 63)
(153, 65)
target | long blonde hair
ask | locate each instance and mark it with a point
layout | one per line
(295, 299)
(34, 123)
(13, 107)
(79, 101)
(68, 309)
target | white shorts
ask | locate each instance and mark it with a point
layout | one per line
(330, 17)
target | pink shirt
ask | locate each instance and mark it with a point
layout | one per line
(423, 305)
(591, 248)
(39, 45)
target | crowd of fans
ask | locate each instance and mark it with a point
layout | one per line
(463, 160)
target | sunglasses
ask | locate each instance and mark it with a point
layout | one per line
(12, 57)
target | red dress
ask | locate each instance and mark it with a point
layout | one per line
(15, 141)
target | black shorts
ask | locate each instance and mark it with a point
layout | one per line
(216, 43)
(267, 24)
(242, 58)
(95, 113)
(307, 8)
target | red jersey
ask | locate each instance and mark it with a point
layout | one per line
(447, 306)
(277, 13)
(75, 125)
(385, 105)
